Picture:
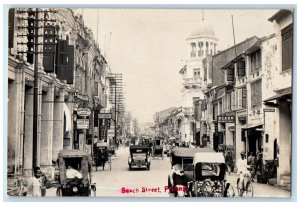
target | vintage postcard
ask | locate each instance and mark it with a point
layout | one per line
(127, 102)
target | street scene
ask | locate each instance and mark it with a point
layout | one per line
(149, 102)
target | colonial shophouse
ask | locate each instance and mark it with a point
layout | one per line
(221, 101)
(70, 77)
(251, 101)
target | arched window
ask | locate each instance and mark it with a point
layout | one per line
(193, 52)
(200, 52)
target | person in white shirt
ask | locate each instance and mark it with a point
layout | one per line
(35, 183)
(242, 168)
(72, 173)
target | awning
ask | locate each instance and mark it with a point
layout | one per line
(280, 94)
(68, 118)
(248, 126)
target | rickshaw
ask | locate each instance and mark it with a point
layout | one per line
(139, 157)
(102, 154)
(158, 150)
(209, 174)
(75, 174)
(182, 165)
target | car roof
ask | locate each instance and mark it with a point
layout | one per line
(189, 152)
(139, 147)
(72, 153)
(209, 157)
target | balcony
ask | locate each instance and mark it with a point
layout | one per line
(188, 111)
(192, 81)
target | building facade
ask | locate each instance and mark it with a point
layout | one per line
(71, 77)
(201, 43)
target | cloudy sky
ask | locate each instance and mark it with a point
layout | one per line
(148, 46)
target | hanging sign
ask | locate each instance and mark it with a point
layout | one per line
(84, 112)
(83, 123)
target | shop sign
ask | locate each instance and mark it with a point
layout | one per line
(84, 112)
(226, 119)
(269, 110)
(83, 123)
(104, 116)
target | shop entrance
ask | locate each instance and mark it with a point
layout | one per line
(254, 141)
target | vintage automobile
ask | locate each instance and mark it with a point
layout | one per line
(102, 155)
(139, 157)
(158, 150)
(182, 174)
(209, 176)
(75, 174)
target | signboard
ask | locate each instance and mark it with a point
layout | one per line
(83, 123)
(84, 112)
(226, 119)
(104, 116)
(103, 134)
(269, 110)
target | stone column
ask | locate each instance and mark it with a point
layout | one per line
(28, 131)
(47, 131)
(284, 141)
(15, 113)
(70, 134)
(58, 126)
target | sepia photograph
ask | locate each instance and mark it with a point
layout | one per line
(149, 102)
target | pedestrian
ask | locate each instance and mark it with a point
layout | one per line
(36, 185)
(229, 161)
(241, 165)
(259, 161)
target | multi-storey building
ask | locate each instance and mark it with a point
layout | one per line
(201, 43)
(71, 77)
(255, 111)
(278, 67)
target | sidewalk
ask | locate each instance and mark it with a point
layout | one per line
(260, 190)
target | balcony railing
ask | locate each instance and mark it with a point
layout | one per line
(189, 81)
(189, 111)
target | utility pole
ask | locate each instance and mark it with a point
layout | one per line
(35, 92)
(33, 58)
(115, 111)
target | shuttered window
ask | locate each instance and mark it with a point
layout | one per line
(65, 61)
(230, 74)
(49, 48)
(256, 94)
(11, 27)
(96, 89)
(256, 60)
(287, 48)
(241, 68)
(244, 97)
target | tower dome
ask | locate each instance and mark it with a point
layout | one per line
(203, 30)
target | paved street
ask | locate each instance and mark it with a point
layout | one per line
(110, 183)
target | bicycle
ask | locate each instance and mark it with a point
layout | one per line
(246, 189)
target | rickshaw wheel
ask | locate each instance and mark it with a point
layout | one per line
(58, 192)
(230, 191)
(249, 190)
(92, 193)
